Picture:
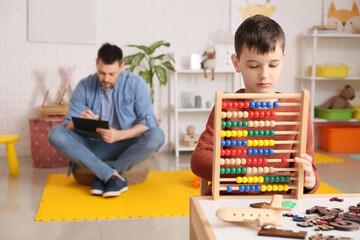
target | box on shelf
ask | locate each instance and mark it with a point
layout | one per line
(332, 71)
(190, 140)
(333, 114)
(340, 138)
(356, 113)
(44, 155)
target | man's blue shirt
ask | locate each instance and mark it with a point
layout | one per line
(132, 100)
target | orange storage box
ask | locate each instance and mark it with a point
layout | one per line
(340, 138)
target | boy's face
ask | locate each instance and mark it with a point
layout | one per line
(260, 72)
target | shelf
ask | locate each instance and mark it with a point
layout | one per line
(357, 78)
(321, 120)
(192, 71)
(332, 35)
(194, 109)
(185, 149)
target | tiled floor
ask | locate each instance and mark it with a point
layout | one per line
(20, 197)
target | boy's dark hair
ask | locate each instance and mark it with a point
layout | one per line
(110, 53)
(259, 33)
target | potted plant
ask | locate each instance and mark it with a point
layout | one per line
(151, 65)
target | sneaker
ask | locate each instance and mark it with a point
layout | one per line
(98, 187)
(115, 186)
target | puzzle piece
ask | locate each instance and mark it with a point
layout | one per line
(323, 227)
(299, 219)
(305, 224)
(336, 199)
(289, 204)
(282, 233)
(319, 236)
(345, 225)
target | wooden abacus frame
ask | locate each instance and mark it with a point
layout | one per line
(304, 114)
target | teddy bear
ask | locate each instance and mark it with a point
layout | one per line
(209, 61)
(341, 101)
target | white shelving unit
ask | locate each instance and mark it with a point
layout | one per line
(313, 79)
(201, 85)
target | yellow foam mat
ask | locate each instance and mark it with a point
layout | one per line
(163, 194)
(326, 189)
(322, 158)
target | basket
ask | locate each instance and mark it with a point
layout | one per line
(333, 114)
(54, 110)
(332, 71)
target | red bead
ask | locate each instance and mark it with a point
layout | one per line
(229, 105)
(262, 114)
(233, 152)
(246, 104)
(224, 105)
(267, 114)
(256, 114)
(283, 160)
(265, 161)
(235, 105)
(254, 161)
(248, 161)
(260, 161)
(222, 152)
(251, 114)
(241, 104)
(227, 152)
(238, 152)
(272, 113)
(243, 152)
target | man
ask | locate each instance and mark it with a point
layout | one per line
(123, 99)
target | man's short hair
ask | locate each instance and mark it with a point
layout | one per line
(259, 33)
(110, 53)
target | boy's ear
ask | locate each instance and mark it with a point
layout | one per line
(235, 62)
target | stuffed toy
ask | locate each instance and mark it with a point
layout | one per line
(341, 101)
(209, 62)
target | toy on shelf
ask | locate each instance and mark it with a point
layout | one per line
(341, 101)
(190, 139)
(53, 110)
(209, 62)
(235, 167)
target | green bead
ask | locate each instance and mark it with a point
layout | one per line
(245, 124)
(266, 179)
(287, 178)
(243, 170)
(233, 170)
(234, 124)
(239, 124)
(238, 170)
(276, 179)
(282, 179)
(223, 124)
(222, 170)
(250, 133)
(256, 133)
(227, 170)
(272, 133)
(266, 133)
(261, 133)
(228, 124)
(271, 179)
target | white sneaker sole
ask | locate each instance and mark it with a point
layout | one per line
(115, 193)
(96, 192)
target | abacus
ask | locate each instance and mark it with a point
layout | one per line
(246, 148)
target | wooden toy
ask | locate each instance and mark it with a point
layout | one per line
(282, 233)
(261, 134)
(320, 236)
(53, 110)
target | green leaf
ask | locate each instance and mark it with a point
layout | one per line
(146, 49)
(161, 74)
(160, 57)
(146, 75)
(128, 59)
(158, 44)
(169, 66)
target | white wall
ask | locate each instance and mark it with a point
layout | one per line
(27, 69)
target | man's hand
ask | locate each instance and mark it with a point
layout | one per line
(108, 135)
(87, 113)
(309, 176)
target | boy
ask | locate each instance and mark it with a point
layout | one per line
(259, 47)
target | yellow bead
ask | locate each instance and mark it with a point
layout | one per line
(261, 143)
(268, 188)
(244, 179)
(223, 133)
(261, 179)
(245, 133)
(266, 143)
(228, 133)
(250, 179)
(255, 143)
(275, 187)
(286, 187)
(233, 133)
(256, 179)
(238, 180)
(280, 188)
(239, 133)
(249, 143)
(271, 142)
(263, 188)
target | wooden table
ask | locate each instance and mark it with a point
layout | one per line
(205, 225)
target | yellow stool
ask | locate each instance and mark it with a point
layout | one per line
(13, 163)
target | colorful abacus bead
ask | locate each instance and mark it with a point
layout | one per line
(229, 189)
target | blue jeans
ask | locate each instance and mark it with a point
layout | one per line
(92, 152)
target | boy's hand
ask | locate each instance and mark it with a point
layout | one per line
(309, 176)
(108, 135)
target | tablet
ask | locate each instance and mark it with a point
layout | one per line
(87, 127)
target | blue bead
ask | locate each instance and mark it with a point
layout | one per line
(266, 152)
(257, 104)
(252, 188)
(263, 104)
(233, 142)
(260, 152)
(247, 188)
(255, 151)
(276, 104)
(228, 143)
(229, 189)
(258, 188)
(222, 143)
(239, 143)
(244, 142)
(269, 104)
(249, 152)
(271, 151)
(252, 104)
(241, 188)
